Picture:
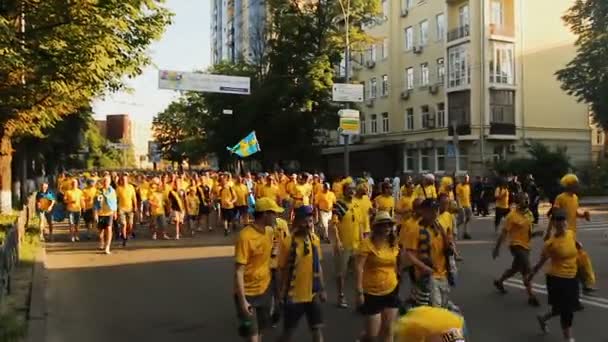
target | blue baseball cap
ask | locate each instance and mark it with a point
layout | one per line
(303, 211)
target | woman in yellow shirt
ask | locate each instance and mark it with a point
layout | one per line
(501, 195)
(376, 279)
(562, 285)
(385, 201)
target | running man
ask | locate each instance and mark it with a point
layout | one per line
(105, 212)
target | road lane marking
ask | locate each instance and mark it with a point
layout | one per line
(539, 288)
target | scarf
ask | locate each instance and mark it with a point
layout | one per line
(316, 266)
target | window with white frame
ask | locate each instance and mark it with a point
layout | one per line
(385, 123)
(363, 125)
(424, 32)
(406, 4)
(384, 85)
(409, 38)
(424, 159)
(440, 71)
(463, 15)
(372, 52)
(374, 123)
(409, 119)
(441, 119)
(424, 74)
(409, 160)
(373, 90)
(459, 73)
(496, 13)
(385, 48)
(365, 88)
(440, 26)
(409, 78)
(502, 64)
(425, 115)
(439, 159)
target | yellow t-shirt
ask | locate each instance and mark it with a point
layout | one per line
(380, 268)
(126, 196)
(437, 246)
(563, 253)
(301, 195)
(424, 322)
(325, 201)
(317, 188)
(65, 185)
(227, 195)
(157, 202)
(241, 192)
(349, 227)
(365, 206)
(88, 196)
(406, 203)
(279, 234)
(73, 200)
(463, 191)
(336, 187)
(568, 202)
(446, 220)
(408, 229)
(105, 210)
(502, 198)
(252, 249)
(269, 191)
(300, 290)
(429, 192)
(143, 188)
(385, 203)
(519, 229)
(192, 204)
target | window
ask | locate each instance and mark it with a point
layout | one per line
(496, 17)
(502, 64)
(424, 159)
(406, 4)
(440, 159)
(409, 38)
(384, 88)
(385, 123)
(363, 126)
(441, 115)
(385, 48)
(459, 107)
(440, 18)
(409, 78)
(374, 123)
(409, 119)
(365, 87)
(409, 160)
(459, 73)
(502, 106)
(598, 138)
(372, 53)
(463, 159)
(425, 116)
(373, 91)
(440, 71)
(424, 74)
(463, 15)
(424, 32)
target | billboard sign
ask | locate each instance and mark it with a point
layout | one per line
(346, 92)
(208, 83)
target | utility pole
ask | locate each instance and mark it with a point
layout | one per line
(346, 14)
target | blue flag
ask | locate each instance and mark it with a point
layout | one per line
(247, 146)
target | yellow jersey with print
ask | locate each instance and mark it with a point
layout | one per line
(385, 203)
(227, 195)
(192, 204)
(253, 249)
(279, 233)
(463, 193)
(157, 200)
(568, 202)
(126, 197)
(518, 226)
(502, 198)
(431, 240)
(104, 198)
(241, 192)
(301, 284)
(88, 197)
(301, 195)
(424, 322)
(380, 268)
(408, 228)
(365, 206)
(425, 192)
(446, 220)
(563, 255)
(270, 192)
(143, 188)
(325, 201)
(73, 200)
(349, 226)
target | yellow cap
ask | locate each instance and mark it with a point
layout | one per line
(446, 181)
(569, 180)
(267, 204)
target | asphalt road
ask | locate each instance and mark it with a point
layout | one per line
(182, 291)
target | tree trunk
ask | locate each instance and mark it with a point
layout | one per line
(6, 158)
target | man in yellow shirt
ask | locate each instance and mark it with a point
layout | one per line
(518, 229)
(241, 192)
(88, 199)
(501, 195)
(302, 283)
(346, 227)
(324, 204)
(302, 192)
(252, 277)
(74, 203)
(143, 188)
(365, 206)
(127, 206)
(227, 198)
(427, 188)
(463, 198)
(159, 205)
(105, 208)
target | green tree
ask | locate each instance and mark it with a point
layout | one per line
(586, 76)
(58, 55)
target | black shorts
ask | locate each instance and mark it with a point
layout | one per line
(521, 259)
(293, 312)
(563, 293)
(260, 320)
(204, 210)
(374, 305)
(242, 209)
(105, 222)
(228, 214)
(500, 214)
(88, 216)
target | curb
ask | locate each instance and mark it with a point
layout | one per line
(36, 331)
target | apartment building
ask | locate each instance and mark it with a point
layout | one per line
(480, 70)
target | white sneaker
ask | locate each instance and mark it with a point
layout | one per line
(73, 239)
(107, 251)
(77, 238)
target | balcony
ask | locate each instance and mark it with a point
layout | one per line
(461, 129)
(500, 128)
(458, 33)
(502, 31)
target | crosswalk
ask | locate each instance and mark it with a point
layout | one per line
(599, 302)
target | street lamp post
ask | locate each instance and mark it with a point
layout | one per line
(346, 14)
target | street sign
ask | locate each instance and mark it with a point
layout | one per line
(119, 146)
(349, 122)
(227, 111)
(345, 92)
(194, 81)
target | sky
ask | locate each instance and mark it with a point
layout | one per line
(185, 46)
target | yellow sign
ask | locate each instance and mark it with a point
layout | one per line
(350, 126)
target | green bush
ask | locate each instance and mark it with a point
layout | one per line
(12, 328)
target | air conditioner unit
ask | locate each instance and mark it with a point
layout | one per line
(418, 49)
(405, 94)
(370, 64)
(433, 89)
(369, 102)
(512, 148)
(404, 12)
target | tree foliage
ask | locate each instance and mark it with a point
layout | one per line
(586, 76)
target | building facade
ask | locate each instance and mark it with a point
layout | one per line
(457, 84)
